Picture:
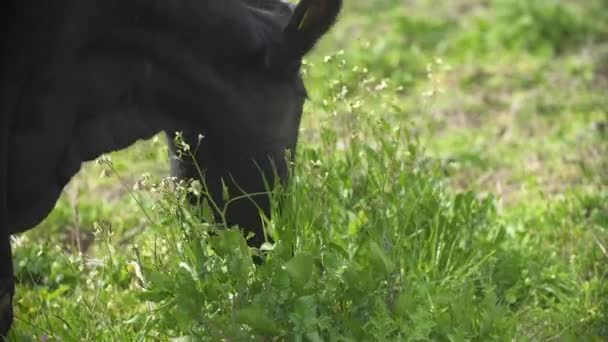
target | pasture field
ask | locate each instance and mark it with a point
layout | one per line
(451, 185)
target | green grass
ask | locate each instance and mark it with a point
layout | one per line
(451, 185)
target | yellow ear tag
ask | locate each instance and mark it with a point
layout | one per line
(304, 20)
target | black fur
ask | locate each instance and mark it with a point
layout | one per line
(79, 78)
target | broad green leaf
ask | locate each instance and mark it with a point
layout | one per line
(300, 270)
(257, 319)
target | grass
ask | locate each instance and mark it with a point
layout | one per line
(451, 185)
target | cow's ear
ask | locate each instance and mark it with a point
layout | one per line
(310, 20)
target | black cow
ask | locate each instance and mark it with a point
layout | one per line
(80, 78)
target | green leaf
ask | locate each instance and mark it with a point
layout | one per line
(62, 289)
(257, 319)
(206, 211)
(159, 280)
(380, 255)
(304, 316)
(153, 296)
(160, 286)
(314, 337)
(225, 192)
(300, 270)
(228, 242)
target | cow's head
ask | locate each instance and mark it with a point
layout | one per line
(252, 115)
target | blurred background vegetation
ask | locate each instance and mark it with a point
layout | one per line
(451, 184)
